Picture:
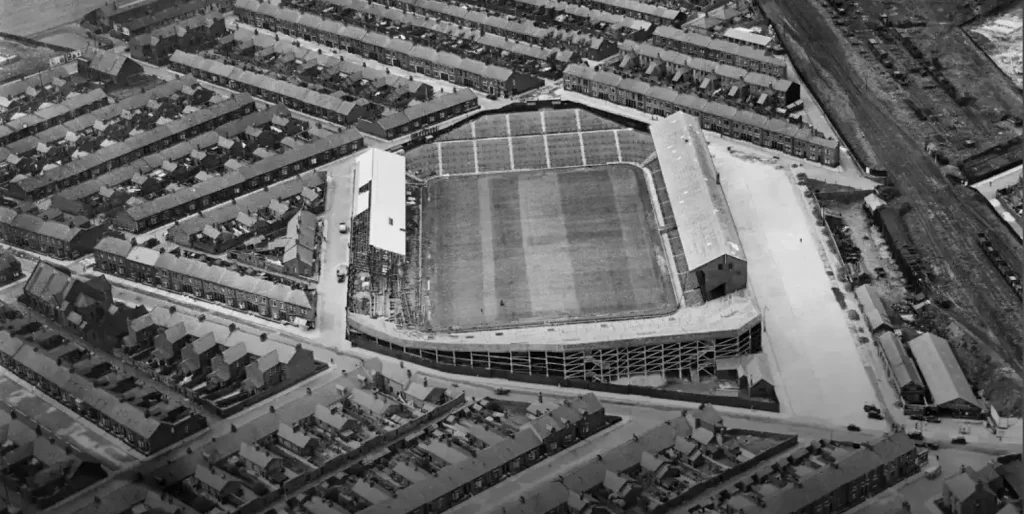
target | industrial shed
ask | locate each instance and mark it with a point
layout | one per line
(950, 391)
(901, 370)
(710, 242)
(873, 308)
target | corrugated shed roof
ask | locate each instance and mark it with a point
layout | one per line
(901, 366)
(873, 308)
(705, 225)
(945, 379)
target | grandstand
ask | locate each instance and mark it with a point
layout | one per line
(378, 284)
(558, 243)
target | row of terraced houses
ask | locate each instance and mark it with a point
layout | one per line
(717, 117)
(211, 283)
(495, 80)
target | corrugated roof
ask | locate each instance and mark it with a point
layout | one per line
(942, 374)
(873, 308)
(705, 225)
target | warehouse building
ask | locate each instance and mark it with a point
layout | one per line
(901, 370)
(874, 310)
(950, 391)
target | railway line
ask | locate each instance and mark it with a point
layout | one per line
(942, 219)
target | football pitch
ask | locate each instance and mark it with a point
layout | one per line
(526, 248)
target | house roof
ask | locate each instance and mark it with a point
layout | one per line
(255, 455)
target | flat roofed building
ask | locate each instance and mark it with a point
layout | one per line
(706, 229)
(949, 388)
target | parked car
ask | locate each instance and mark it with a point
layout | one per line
(932, 419)
(341, 272)
(501, 391)
(870, 408)
(917, 436)
(853, 428)
(959, 440)
(917, 417)
(343, 228)
(875, 415)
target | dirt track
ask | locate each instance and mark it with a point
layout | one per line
(943, 218)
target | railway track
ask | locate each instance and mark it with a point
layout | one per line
(942, 221)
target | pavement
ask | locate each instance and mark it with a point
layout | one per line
(332, 296)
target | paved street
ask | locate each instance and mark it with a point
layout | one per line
(332, 296)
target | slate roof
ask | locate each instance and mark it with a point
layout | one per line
(942, 373)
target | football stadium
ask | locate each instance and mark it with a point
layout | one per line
(552, 244)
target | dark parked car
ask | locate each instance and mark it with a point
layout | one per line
(959, 440)
(870, 408)
(917, 417)
(501, 391)
(853, 428)
(875, 415)
(917, 436)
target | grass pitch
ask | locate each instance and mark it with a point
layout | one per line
(525, 248)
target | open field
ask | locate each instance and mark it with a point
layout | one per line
(941, 217)
(30, 17)
(542, 246)
(31, 59)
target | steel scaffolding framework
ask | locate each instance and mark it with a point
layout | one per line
(683, 359)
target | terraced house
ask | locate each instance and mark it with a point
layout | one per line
(146, 430)
(47, 237)
(717, 117)
(211, 283)
(496, 80)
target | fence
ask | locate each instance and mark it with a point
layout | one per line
(230, 410)
(336, 464)
(370, 343)
(729, 474)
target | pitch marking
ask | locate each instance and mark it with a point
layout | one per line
(618, 147)
(547, 151)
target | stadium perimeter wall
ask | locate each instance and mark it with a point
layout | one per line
(372, 344)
